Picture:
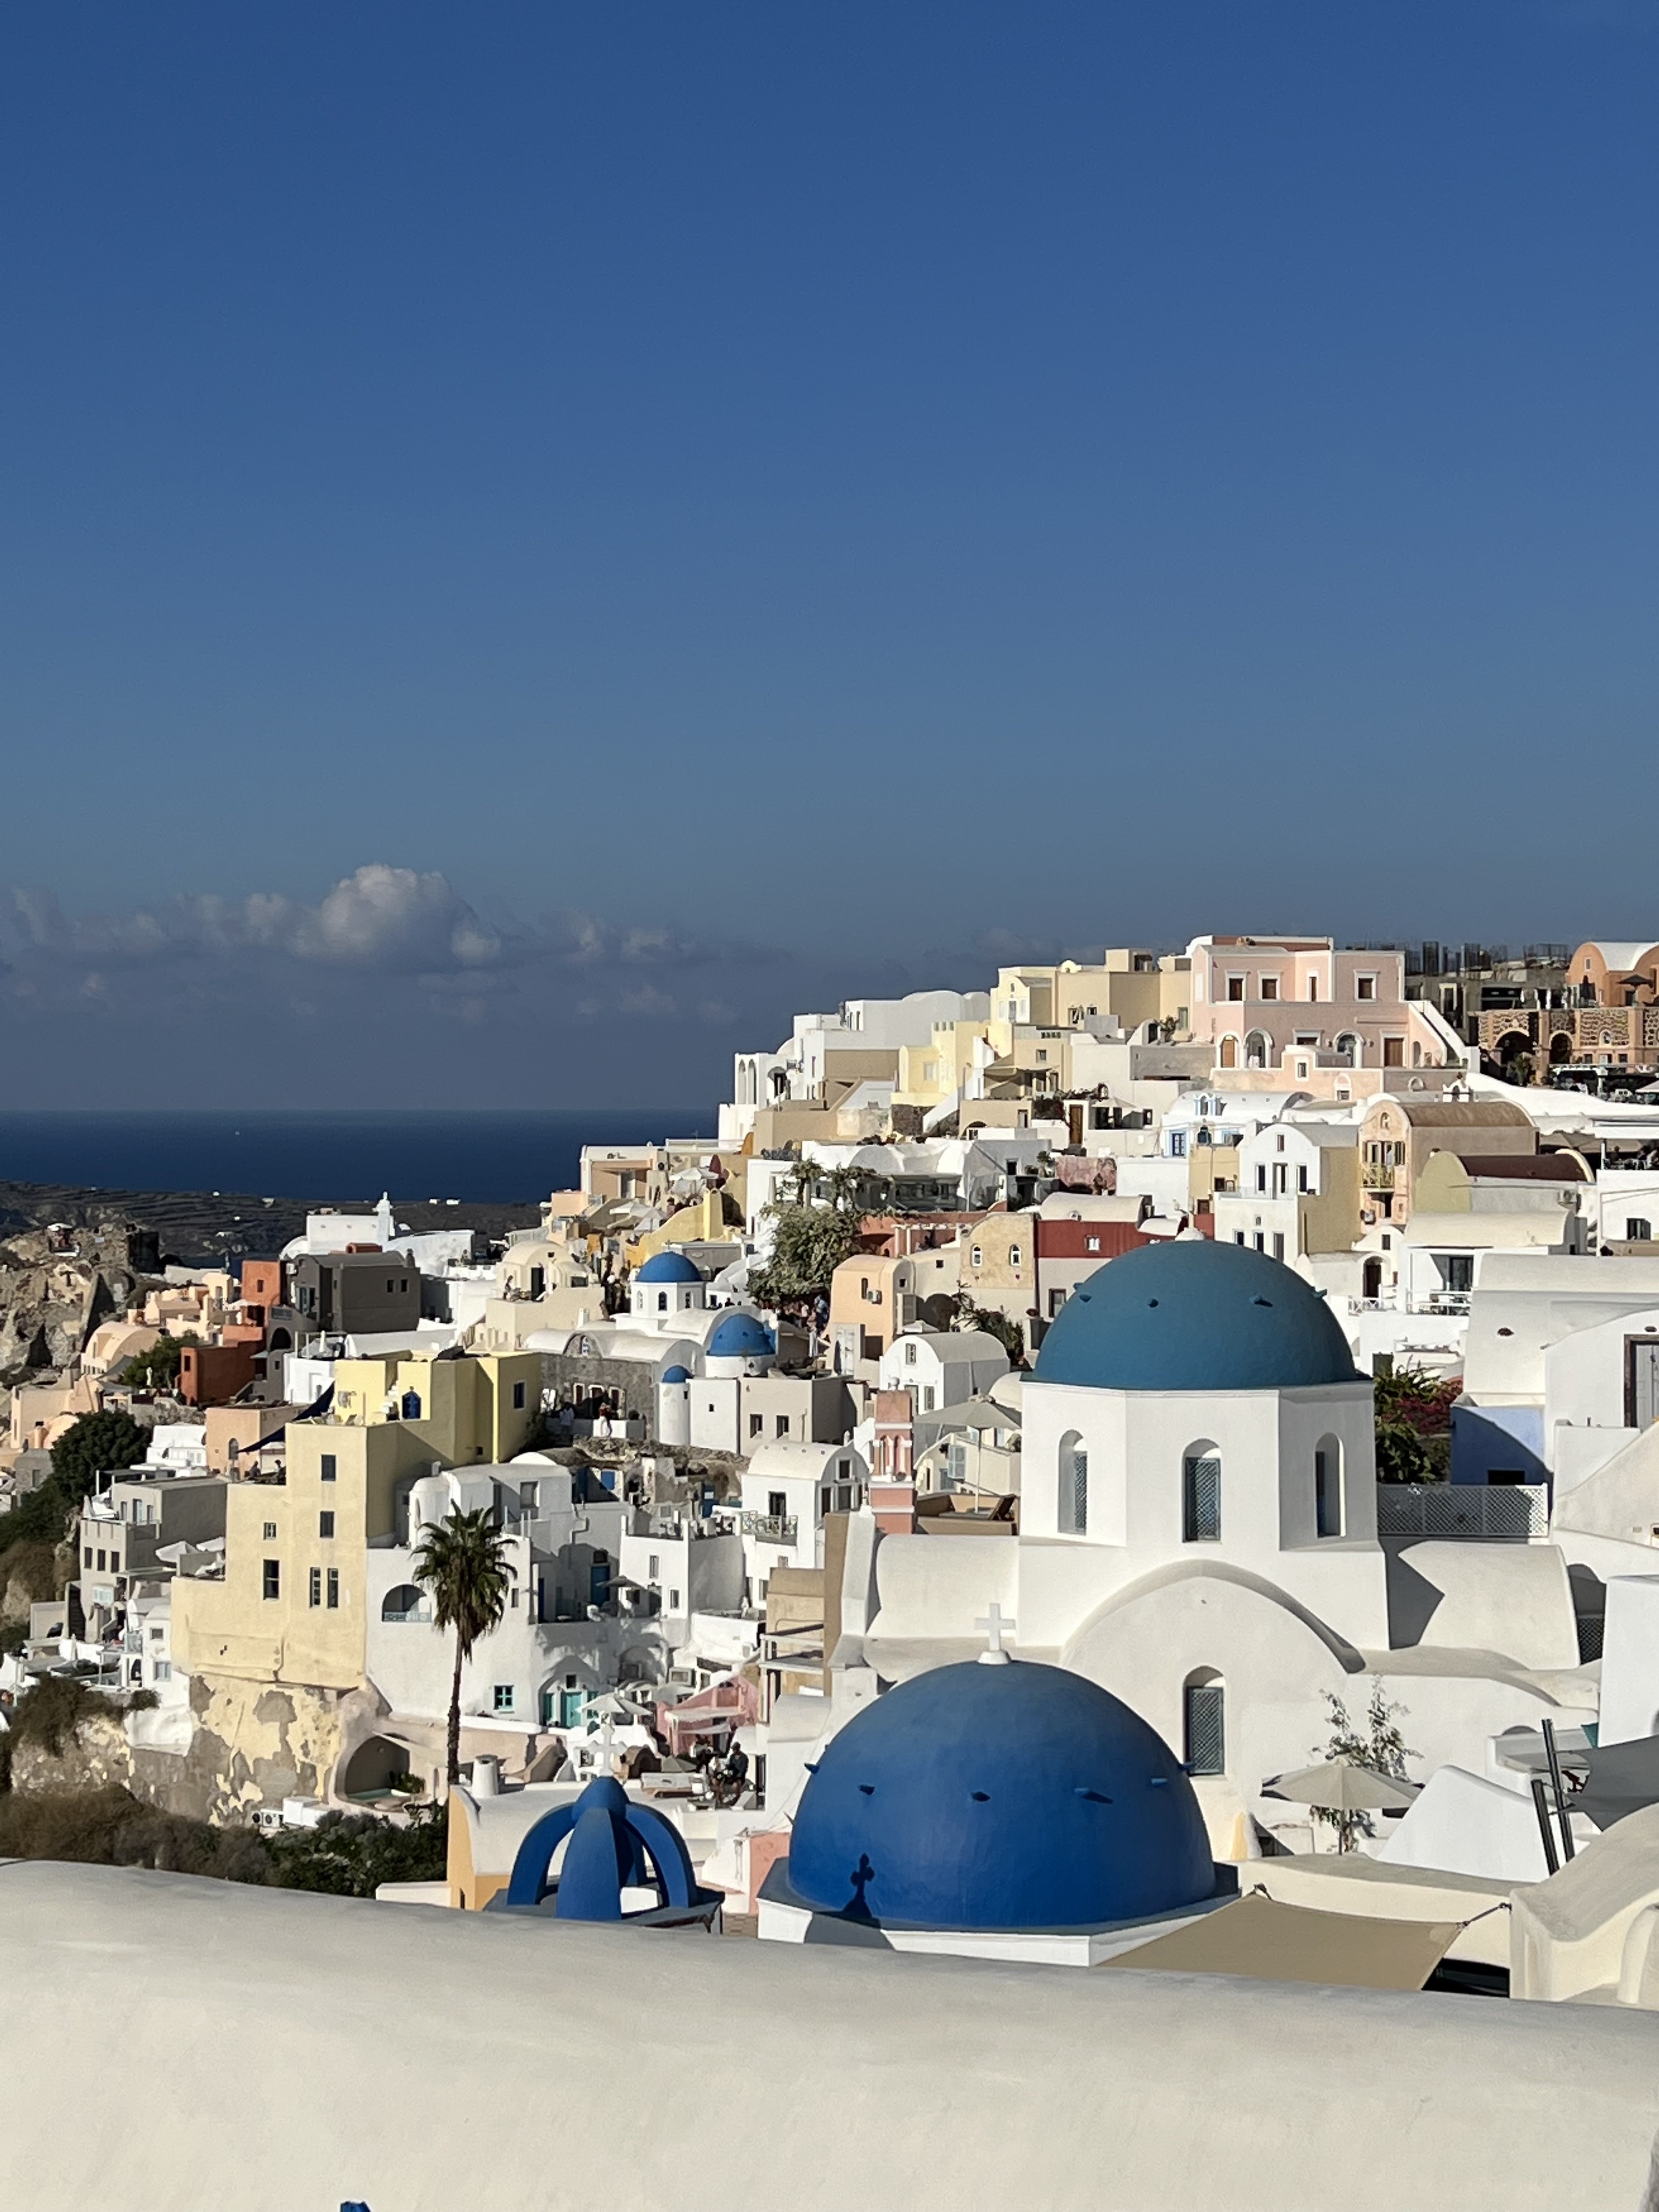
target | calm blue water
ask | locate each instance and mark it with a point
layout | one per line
(482, 1156)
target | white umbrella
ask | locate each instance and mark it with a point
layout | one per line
(1336, 1787)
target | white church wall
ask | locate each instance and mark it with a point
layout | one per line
(1514, 1599)
(1630, 1659)
(1585, 1373)
(1463, 1824)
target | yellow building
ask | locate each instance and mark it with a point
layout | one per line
(290, 1608)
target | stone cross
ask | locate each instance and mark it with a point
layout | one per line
(993, 1624)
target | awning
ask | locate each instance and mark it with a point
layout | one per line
(1623, 1778)
(1269, 1942)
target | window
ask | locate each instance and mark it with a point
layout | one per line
(673, 1600)
(1302, 1179)
(781, 1425)
(1638, 1232)
(1262, 1175)
(927, 1398)
(412, 1405)
(102, 1563)
(1178, 1143)
(501, 1698)
(756, 1424)
(1456, 1270)
(662, 1302)
(1261, 1241)
(1013, 1256)
(334, 1590)
(1091, 1243)
(909, 1355)
(1238, 1236)
(329, 1468)
(777, 1505)
(1205, 1725)
(88, 1555)
(388, 1288)
(314, 1594)
(526, 1497)
(1328, 1486)
(1279, 1143)
(653, 1567)
(273, 1578)
(1278, 1245)
(1235, 989)
(1042, 1058)
(325, 1525)
(271, 1532)
(1200, 1498)
(1313, 989)
(162, 1670)
(976, 1258)
(517, 1397)
(1365, 986)
(1270, 987)
(1073, 1485)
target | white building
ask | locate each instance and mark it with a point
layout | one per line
(943, 1367)
(787, 1491)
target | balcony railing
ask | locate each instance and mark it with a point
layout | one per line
(1377, 1175)
(1511, 1511)
(770, 1527)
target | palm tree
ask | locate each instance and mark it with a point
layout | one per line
(462, 1562)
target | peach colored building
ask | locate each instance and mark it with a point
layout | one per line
(1257, 999)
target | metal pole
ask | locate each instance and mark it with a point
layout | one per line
(1567, 1852)
(1540, 1806)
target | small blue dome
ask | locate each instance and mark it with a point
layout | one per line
(739, 1336)
(1192, 1314)
(676, 1375)
(668, 1267)
(1004, 1796)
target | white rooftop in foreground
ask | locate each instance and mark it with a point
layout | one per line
(321, 2050)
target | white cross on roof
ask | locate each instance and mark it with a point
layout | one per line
(993, 1622)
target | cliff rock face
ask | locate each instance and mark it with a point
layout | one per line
(240, 1745)
(56, 1287)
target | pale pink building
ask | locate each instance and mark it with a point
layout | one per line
(1259, 998)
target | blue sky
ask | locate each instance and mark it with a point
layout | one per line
(538, 537)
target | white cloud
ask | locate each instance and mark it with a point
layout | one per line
(391, 917)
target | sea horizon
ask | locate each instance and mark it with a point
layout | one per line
(485, 1154)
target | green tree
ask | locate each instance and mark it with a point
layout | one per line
(97, 1442)
(1008, 1333)
(1401, 1455)
(462, 1562)
(809, 1242)
(1379, 1746)
(350, 1855)
(158, 1368)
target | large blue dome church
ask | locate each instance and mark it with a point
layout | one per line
(1193, 1314)
(1008, 1796)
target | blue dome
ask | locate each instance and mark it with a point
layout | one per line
(1191, 1315)
(739, 1336)
(998, 1796)
(676, 1375)
(668, 1267)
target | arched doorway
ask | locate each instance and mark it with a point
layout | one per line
(1230, 1052)
(1371, 1285)
(1255, 1050)
(1560, 1048)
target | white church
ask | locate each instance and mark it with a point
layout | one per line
(1199, 1535)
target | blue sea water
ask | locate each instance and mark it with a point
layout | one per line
(490, 1157)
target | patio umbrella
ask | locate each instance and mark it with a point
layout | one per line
(1623, 1778)
(1336, 1787)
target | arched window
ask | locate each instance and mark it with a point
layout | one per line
(1328, 1486)
(1073, 1485)
(662, 1302)
(1203, 1723)
(1200, 1494)
(1347, 1048)
(409, 1602)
